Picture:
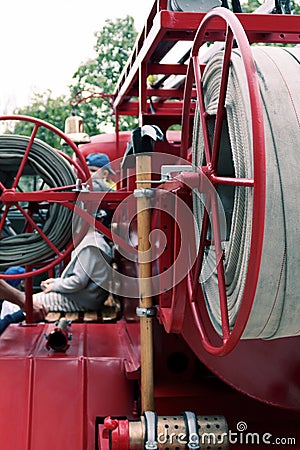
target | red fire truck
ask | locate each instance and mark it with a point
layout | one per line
(203, 351)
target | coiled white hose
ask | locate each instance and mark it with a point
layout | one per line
(276, 309)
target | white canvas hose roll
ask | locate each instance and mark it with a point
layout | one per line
(276, 308)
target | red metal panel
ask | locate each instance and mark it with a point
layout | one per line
(58, 413)
(51, 400)
(106, 143)
(107, 381)
(14, 401)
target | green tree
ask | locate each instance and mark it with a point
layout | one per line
(43, 106)
(114, 43)
(251, 5)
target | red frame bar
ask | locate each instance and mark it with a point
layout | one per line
(169, 27)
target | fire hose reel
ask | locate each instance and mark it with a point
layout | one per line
(153, 432)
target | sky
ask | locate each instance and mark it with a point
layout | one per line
(43, 43)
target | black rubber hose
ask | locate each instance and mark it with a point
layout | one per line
(55, 171)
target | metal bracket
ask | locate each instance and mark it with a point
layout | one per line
(151, 421)
(80, 187)
(192, 430)
(145, 312)
(166, 173)
(144, 193)
(167, 170)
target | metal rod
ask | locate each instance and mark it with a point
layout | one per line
(28, 296)
(143, 172)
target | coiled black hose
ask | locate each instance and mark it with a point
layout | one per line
(55, 171)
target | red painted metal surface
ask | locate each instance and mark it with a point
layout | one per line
(107, 143)
(52, 399)
(119, 436)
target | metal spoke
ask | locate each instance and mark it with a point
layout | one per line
(24, 160)
(38, 229)
(244, 182)
(199, 260)
(203, 113)
(220, 267)
(221, 111)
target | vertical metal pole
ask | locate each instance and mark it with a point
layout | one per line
(143, 172)
(28, 297)
(117, 130)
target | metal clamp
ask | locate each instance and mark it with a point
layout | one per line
(168, 169)
(192, 430)
(151, 423)
(144, 193)
(145, 312)
(80, 187)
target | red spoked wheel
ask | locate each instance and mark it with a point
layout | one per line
(31, 202)
(234, 37)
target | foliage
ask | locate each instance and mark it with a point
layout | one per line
(45, 107)
(251, 5)
(113, 47)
